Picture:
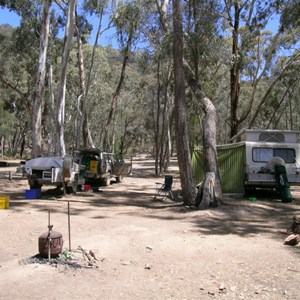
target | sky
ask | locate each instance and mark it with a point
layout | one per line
(11, 18)
(7, 17)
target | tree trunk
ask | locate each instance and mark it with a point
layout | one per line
(115, 99)
(52, 132)
(235, 74)
(182, 143)
(277, 108)
(82, 123)
(268, 91)
(209, 141)
(157, 121)
(165, 132)
(23, 97)
(60, 144)
(40, 83)
(209, 122)
(83, 128)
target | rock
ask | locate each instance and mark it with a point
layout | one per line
(232, 289)
(292, 240)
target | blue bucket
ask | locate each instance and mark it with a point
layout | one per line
(33, 194)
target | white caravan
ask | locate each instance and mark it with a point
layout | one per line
(266, 148)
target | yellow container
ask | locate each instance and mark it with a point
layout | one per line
(93, 165)
(4, 202)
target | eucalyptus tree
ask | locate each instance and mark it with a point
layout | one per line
(290, 17)
(11, 129)
(281, 109)
(163, 105)
(99, 9)
(99, 94)
(254, 50)
(209, 133)
(60, 149)
(130, 128)
(159, 62)
(18, 74)
(182, 143)
(40, 82)
(207, 53)
(127, 19)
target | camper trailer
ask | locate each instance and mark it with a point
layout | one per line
(264, 149)
(55, 171)
(250, 161)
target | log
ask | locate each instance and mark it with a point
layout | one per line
(85, 253)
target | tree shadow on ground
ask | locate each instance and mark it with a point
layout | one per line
(237, 216)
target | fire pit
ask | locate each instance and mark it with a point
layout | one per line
(50, 242)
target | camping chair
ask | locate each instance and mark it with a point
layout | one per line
(162, 190)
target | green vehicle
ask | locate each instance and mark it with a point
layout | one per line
(100, 168)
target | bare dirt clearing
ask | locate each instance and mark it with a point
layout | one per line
(149, 249)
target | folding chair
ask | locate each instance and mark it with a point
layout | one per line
(164, 189)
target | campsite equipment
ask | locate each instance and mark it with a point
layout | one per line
(282, 183)
(162, 190)
(58, 171)
(33, 194)
(50, 242)
(100, 167)
(4, 202)
(249, 162)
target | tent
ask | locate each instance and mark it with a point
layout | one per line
(231, 161)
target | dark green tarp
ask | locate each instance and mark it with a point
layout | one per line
(231, 160)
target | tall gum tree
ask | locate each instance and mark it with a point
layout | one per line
(209, 129)
(98, 9)
(60, 149)
(182, 143)
(127, 19)
(253, 51)
(40, 82)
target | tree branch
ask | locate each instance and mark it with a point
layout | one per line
(22, 96)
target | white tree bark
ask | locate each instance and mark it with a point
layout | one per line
(51, 126)
(69, 32)
(83, 108)
(40, 83)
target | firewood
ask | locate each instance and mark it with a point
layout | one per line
(85, 253)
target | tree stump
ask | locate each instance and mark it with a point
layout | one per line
(206, 196)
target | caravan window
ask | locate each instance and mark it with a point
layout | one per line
(265, 154)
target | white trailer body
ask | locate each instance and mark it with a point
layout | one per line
(264, 148)
(52, 171)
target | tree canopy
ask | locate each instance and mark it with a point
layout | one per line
(244, 55)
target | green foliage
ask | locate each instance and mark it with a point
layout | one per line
(7, 122)
(207, 48)
(290, 17)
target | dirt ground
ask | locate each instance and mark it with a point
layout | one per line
(147, 249)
